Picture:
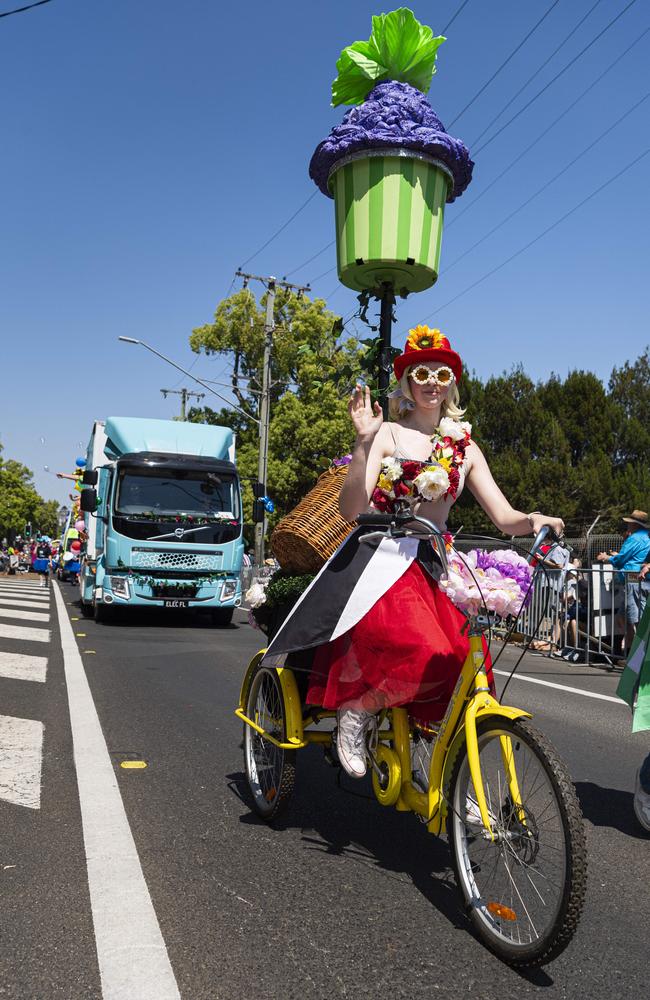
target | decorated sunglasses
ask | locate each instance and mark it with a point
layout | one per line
(439, 376)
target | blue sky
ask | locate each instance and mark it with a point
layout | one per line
(151, 146)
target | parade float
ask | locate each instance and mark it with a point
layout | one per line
(390, 168)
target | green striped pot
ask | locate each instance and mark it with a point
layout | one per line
(389, 207)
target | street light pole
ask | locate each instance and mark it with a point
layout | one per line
(132, 340)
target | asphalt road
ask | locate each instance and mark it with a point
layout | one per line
(339, 899)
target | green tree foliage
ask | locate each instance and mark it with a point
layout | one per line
(312, 366)
(46, 517)
(570, 447)
(18, 497)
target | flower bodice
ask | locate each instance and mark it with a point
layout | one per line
(434, 484)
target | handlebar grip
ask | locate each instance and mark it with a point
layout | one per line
(375, 519)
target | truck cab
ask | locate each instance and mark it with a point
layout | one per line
(166, 528)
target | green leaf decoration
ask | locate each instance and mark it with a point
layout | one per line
(399, 48)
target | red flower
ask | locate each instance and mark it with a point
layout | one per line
(411, 469)
(446, 441)
(454, 480)
(381, 502)
(400, 489)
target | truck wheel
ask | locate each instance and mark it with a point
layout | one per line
(102, 613)
(222, 617)
(87, 610)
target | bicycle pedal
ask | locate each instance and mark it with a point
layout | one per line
(330, 754)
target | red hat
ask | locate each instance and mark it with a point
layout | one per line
(424, 345)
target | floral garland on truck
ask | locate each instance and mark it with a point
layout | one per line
(438, 477)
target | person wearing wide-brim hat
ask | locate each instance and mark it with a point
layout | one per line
(628, 561)
(380, 630)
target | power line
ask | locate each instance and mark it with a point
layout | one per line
(612, 179)
(598, 79)
(505, 62)
(305, 262)
(554, 78)
(537, 71)
(329, 270)
(556, 177)
(459, 11)
(19, 10)
(280, 230)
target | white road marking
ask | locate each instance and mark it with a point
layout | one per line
(33, 593)
(133, 959)
(24, 632)
(562, 687)
(18, 602)
(29, 615)
(10, 585)
(21, 754)
(20, 667)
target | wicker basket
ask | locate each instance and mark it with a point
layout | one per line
(305, 539)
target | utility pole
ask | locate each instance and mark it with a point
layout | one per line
(185, 394)
(271, 284)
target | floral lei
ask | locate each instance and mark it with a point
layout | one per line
(403, 481)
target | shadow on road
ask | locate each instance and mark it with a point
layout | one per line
(347, 822)
(159, 618)
(609, 807)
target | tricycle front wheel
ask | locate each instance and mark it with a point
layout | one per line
(270, 770)
(523, 883)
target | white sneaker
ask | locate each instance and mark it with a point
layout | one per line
(351, 739)
(642, 804)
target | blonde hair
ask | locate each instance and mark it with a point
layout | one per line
(400, 401)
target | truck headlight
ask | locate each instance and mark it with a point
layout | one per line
(120, 586)
(228, 590)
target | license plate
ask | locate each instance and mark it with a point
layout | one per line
(176, 602)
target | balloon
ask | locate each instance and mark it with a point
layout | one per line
(80, 525)
(75, 546)
(80, 462)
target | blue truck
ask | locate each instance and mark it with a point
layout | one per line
(162, 503)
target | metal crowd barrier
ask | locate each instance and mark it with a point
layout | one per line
(581, 614)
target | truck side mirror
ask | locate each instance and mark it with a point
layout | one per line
(90, 477)
(88, 501)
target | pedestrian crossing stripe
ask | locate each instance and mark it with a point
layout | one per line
(21, 667)
(21, 756)
(17, 602)
(28, 633)
(33, 616)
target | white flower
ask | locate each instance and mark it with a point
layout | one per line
(451, 429)
(256, 594)
(467, 427)
(391, 468)
(432, 483)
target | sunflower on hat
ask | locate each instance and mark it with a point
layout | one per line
(421, 338)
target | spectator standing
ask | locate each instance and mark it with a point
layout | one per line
(42, 555)
(629, 562)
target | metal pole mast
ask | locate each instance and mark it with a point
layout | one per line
(185, 394)
(265, 397)
(387, 299)
(265, 410)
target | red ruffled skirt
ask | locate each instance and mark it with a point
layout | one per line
(407, 650)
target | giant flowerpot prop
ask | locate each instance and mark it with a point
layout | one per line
(389, 207)
(390, 166)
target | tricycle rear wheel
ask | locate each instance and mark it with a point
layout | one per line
(270, 770)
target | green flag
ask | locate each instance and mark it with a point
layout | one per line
(635, 680)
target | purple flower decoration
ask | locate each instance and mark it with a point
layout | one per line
(394, 115)
(343, 460)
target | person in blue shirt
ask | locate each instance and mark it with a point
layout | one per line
(630, 560)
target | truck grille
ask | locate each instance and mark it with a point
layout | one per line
(152, 559)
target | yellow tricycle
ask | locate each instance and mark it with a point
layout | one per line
(484, 776)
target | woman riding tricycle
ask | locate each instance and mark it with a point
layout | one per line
(388, 643)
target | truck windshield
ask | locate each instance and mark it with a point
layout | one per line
(177, 492)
